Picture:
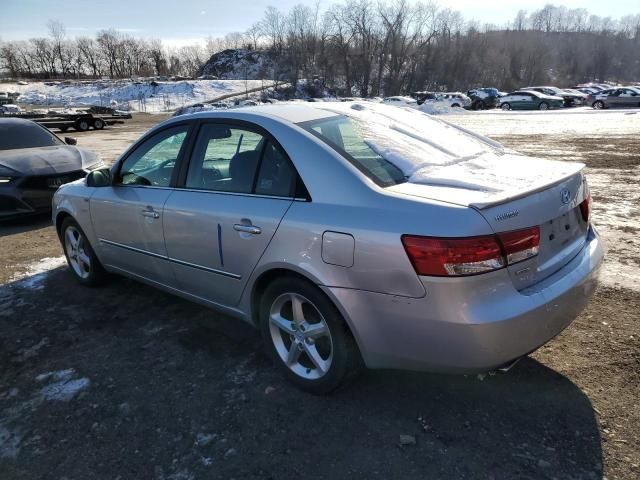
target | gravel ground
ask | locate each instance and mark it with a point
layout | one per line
(128, 382)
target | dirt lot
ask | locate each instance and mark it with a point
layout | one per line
(125, 382)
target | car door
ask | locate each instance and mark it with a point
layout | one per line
(629, 98)
(518, 102)
(127, 216)
(237, 187)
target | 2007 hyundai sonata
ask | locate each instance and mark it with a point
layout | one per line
(348, 233)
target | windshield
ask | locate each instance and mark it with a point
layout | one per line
(389, 144)
(15, 135)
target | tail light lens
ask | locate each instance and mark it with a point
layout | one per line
(469, 256)
(520, 244)
(585, 208)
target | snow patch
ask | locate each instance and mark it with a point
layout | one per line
(36, 273)
(64, 387)
(151, 97)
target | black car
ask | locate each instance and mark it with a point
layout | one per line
(484, 98)
(570, 99)
(33, 164)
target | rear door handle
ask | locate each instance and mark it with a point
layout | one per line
(247, 229)
(150, 214)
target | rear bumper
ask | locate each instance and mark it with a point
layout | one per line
(472, 324)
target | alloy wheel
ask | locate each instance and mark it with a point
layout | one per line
(301, 336)
(79, 259)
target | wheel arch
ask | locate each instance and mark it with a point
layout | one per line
(263, 280)
(61, 216)
(267, 276)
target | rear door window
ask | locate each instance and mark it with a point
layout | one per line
(230, 158)
(225, 159)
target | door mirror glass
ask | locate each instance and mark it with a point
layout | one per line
(70, 140)
(99, 178)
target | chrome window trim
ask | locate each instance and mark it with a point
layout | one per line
(173, 260)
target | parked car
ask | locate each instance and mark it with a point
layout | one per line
(347, 233)
(10, 109)
(399, 100)
(583, 95)
(570, 99)
(615, 98)
(457, 99)
(33, 164)
(530, 100)
(484, 98)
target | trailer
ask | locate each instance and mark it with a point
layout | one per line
(80, 121)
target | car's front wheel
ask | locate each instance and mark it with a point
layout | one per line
(505, 106)
(543, 106)
(306, 336)
(81, 258)
(598, 105)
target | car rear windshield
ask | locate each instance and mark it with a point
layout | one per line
(341, 135)
(15, 135)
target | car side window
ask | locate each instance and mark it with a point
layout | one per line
(277, 175)
(225, 159)
(152, 163)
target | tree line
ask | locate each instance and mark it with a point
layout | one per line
(367, 47)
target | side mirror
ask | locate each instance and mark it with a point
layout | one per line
(70, 140)
(99, 178)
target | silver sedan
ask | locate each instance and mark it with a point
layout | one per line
(350, 234)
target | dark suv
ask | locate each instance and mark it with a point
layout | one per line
(484, 98)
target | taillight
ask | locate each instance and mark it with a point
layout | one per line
(469, 256)
(585, 208)
(520, 244)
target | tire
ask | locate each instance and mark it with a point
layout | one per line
(82, 260)
(598, 105)
(543, 106)
(82, 125)
(455, 105)
(505, 106)
(314, 348)
(98, 124)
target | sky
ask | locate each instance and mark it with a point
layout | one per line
(179, 22)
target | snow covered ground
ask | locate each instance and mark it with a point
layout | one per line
(137, 96)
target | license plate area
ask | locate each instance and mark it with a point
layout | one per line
(55, 182)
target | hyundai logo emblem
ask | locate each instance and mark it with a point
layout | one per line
(565, 196)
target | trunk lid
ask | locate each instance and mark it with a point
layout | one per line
(513, 192)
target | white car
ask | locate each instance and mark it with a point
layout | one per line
(456, 99)
(399, 100)
(10, 108)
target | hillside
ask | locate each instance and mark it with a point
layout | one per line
(239, 64)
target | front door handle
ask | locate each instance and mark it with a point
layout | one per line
(247, 229)
(150, 214)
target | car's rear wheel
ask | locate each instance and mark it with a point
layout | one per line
(306, 336)
(81, 258)
(543, 106)
(505, 106)
(598, 105)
